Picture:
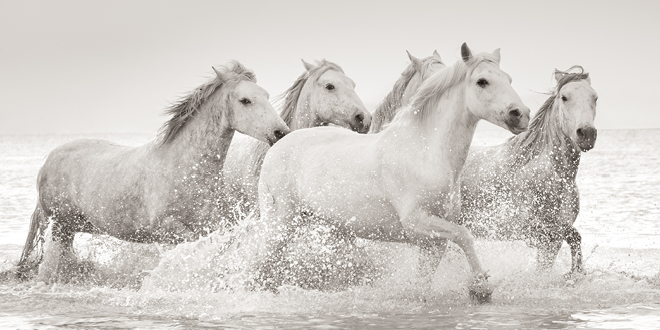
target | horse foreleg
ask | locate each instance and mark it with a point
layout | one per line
(432, 253)
(574, 240)
(422, 227)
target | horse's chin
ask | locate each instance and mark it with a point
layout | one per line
(586, 145)
(586, 148)
(516, 130)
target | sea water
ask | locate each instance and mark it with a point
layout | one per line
(159, 287)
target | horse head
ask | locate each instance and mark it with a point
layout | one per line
(575, 102)
(489, 94)
(250, 111)
(329, 96)
(423, 68)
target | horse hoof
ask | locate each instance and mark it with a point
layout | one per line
(481, 297)
(480, 290)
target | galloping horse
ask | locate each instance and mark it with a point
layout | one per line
(322, 95)
(400, 185)
(404, 88)
(166, 191)
(525, 188)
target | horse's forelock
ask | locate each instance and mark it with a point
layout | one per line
(568, 76)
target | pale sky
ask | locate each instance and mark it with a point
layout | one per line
(114, 66)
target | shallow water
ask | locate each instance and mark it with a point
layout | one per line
(159, 287)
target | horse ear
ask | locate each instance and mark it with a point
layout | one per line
(308, 66)
(417, 63)
(496, 54)
(436, 55)
(466, 53)
(221, 75)
(238, 67)
(558, 75)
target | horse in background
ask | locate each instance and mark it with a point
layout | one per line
(525, 188)
(404, 88)
(316, 267)
(321, 95)
(166, 191)
(400, 185)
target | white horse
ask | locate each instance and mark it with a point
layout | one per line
(400, 185)
(167, 191)
(525, 188)
(316, 267)
(322, 95)
(404, 88)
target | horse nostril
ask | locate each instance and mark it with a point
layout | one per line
(359, 118)
(515, 113)
(580, 133)
(279, 134)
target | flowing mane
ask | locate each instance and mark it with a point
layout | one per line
(185, 109)
(543, 130)
(290, 96)
(433, 88)
(386, 110)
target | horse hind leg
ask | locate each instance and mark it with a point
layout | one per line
(58, 261)
(32, 253)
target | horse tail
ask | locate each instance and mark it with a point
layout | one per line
(33, 248)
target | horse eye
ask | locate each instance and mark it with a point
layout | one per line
(329, 87)
(246, 101)
(564, 98)
(482, 82)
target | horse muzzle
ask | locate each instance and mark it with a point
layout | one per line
(361, 122)
(277, 135)
(517, 120)
(586, 137)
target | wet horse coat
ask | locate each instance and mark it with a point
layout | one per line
(166, 191)
(404, 88)
(398, 185)
(322, 95)
(525, 188)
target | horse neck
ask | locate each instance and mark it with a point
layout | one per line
(201, 147)
(545, 139)
(303, 115)
(386, 110)
(447, 133)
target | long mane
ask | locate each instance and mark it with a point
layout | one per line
(185, 109)
(432, 89)
(289, 98)
(386, 110)
(543, 130)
